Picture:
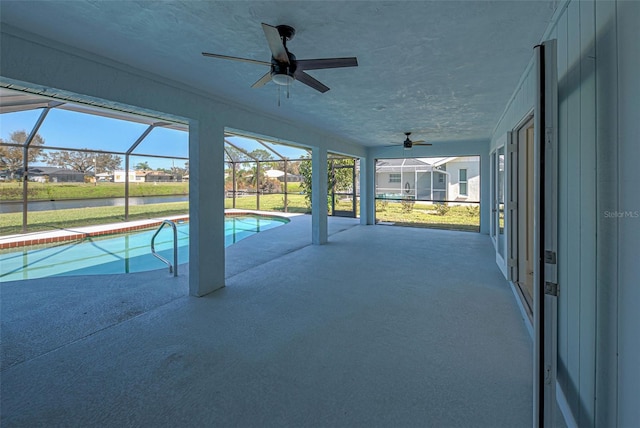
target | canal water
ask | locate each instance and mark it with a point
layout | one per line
(16, 206)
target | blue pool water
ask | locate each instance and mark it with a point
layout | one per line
(123, 253)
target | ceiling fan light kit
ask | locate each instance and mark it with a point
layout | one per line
(282, 79)
(284, 67)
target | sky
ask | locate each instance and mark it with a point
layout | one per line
(64, 128)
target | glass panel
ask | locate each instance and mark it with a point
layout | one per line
(76, 187)
(265, 187)
(246, 201)
(158, 169)
(164, 142)
(255, 149)
(500, 201)
(296, 198)
(60, 165)
(11, 190)
(11, 207)
(70, 129)
(272, 186)
(271, 177)
(493, 188)
(18, 121)
(63, 191)
(290, 152)
(272, 151)
(342, 172)
(427, 194)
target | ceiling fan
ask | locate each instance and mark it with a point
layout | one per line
(408, 144)
(285, 68)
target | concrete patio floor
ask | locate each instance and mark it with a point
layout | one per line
(383, 326)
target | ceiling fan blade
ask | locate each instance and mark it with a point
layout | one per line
(316, 64)
(310, 81)
(278, 50)
(263, 80)
(421, 143)
(234, 58)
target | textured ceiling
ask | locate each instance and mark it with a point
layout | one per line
(442, 69)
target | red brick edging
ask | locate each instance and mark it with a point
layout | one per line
(78, 236)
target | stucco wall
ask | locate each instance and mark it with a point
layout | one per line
(385, 186)
(472, 165)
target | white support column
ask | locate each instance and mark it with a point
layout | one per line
(367, 191)
(206, 207)
(432, 198)
(485, 192)
(319, 231)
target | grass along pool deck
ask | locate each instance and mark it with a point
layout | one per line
(421, 215)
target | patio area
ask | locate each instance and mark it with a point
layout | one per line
(383, 326)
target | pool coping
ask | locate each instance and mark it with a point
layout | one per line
(76, 234)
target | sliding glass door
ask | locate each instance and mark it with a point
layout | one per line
(498, 205)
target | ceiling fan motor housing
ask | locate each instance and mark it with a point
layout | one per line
(281, 72)
(286, 32)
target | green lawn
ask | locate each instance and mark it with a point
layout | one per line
(421, 215)
(425, 215)
(64, 219)
(12, 191)
(296, 203)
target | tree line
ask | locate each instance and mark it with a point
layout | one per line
(84, 161)
(246, 171)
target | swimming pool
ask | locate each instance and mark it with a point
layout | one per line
(123, 253)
